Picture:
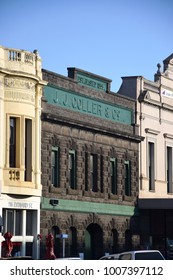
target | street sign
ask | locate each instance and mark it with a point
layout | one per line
(62, 235)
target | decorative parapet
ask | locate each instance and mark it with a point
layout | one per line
(20, 61)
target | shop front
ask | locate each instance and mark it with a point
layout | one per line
(21, 219)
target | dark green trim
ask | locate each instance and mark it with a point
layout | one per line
(86, 105)
(89, 207)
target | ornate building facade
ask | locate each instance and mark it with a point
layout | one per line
(20, 149)
(89, 166)
(154, 116)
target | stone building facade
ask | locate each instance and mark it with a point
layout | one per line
(20, 150)
(154, 116)
(90, 156)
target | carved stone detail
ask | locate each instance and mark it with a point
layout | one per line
(19, 96)
(19, 83)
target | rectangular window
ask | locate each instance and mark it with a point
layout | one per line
(28, 150)
(151, 159)
(12, 160)
(18, 222)
(101, 173)
(12, 221)
(72, 169)
(127, 175)
(93, 172)
(86, 171)
(55, 166)
(14, 142)
(113, 175)
(169, 170)
(29, 222)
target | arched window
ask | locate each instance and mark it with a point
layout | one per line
(128, 240)
(114, 241)
(73, 242)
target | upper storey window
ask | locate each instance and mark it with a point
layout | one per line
(20, 145)
(14, 142)
(127, 175)
(169, 170)
(113, 175)
(28, 150)
(94, 172)
(72, 169)
(55, 164)
(151, 160)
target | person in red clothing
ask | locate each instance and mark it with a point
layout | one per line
(7, 244)
(50, 247)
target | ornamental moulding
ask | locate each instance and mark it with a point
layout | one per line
(167, 135)
(19, 83)
(152, 131)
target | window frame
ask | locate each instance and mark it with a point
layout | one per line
(127, 178)
(169, 168)
(15, 221)
(55, 179)
(94, 172)
(151, 165)
(113, 175)
(15, 148)
(72, 170)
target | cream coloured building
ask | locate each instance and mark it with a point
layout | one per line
(154, 116)
(20, 151)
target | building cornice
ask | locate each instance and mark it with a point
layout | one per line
(96, 129)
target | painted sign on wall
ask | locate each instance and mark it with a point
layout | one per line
(91, 82)
(86, 105)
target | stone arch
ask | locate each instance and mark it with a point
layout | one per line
(93, 218)
(72, 221)
(54, 220)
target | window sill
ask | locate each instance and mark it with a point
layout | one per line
(53, 189)
(128, 198)
(73, 191)
(113, 196)
(90, 193)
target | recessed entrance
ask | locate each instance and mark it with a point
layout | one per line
(93, 242)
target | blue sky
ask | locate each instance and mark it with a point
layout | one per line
(111, 38)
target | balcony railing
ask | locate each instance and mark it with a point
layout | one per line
(14, 55)
(21, 60)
